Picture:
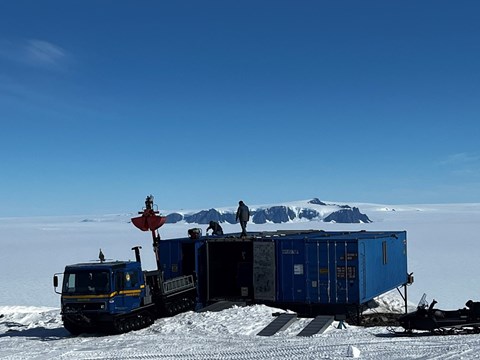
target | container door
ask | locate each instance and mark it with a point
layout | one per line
(318, 281)
(264, 271)
(201, 270)
(346, 272)
(362, 271)
(291, 264)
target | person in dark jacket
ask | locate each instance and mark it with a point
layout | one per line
(215, 227)
(243, 214)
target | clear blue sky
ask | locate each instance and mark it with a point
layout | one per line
(204, 103)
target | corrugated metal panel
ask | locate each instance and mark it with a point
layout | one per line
(332, 271)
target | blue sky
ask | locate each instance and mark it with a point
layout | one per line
(204, 103)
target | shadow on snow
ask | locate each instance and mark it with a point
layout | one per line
(40, 333)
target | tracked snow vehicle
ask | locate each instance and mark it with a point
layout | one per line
(118, 296)
(428, 318)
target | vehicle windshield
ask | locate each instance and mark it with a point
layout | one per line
(423, 303)
(86, 282)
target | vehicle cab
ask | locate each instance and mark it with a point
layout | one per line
(93, 294)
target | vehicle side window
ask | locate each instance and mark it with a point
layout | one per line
(126, 280)
(119, 281)
(134, 278)
(131, 279)
(69, 283)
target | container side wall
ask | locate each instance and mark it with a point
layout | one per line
(177, 257)
(385, 264)
(169, 253)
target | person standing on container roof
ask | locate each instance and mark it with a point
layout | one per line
(215, 227)
(243, 214)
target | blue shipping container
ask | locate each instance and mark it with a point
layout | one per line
(350, 268)
(303, 268)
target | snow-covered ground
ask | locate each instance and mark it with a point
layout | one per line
(29, 333)
(442, 243)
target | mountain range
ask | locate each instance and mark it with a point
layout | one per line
(313, 209)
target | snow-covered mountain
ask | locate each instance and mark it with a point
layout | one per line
(279, 213)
